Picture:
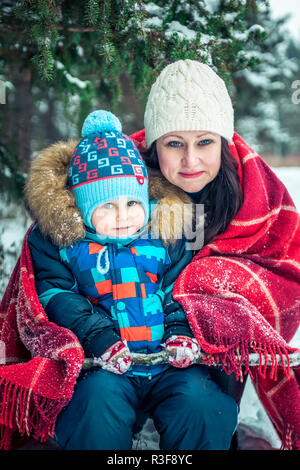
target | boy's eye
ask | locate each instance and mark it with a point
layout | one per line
(108, 205)
(132, 203)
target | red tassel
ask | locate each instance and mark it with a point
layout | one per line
(290, 440)
(24, 411)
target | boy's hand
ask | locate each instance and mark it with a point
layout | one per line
(182, 351)
(116, 358)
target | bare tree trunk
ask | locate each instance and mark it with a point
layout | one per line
(24, 112)
(52, 134)
(133, 107)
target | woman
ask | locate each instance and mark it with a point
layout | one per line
(242, 289)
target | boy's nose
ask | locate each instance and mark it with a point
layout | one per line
(122, 215)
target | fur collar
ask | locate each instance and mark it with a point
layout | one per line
(52, 204)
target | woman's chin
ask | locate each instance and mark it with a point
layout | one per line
(190, 186)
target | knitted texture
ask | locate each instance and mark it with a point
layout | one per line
(188, 96)
(116, 358)
(241, 292)
(100, 121)
(182, 351)
(106, 166)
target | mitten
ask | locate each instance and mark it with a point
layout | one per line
(116, 358)
(182, 351)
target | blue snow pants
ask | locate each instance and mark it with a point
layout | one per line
(189, 410)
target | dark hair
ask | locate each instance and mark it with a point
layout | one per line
(222, 197)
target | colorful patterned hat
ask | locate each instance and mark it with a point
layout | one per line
(106, 166)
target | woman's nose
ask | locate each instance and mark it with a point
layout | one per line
(190, 157)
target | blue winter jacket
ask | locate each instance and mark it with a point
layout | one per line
(104, 293)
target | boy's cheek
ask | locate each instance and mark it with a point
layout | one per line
(102, 229)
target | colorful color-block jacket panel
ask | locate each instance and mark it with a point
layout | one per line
(104, 293)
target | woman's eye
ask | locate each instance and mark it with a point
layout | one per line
(205, 141)
(174, 143)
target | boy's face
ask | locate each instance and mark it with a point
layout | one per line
(120, 218)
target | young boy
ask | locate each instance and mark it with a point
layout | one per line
(113, 288)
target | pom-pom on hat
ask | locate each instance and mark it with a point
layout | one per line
(100, 121)
(106, 166)
(188, 96)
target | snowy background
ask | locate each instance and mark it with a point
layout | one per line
(290, 7)
(255, 430)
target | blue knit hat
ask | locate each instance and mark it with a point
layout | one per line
(106, 166)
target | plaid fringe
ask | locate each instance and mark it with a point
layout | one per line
(236, 359)
(26, 412)
(291, 439)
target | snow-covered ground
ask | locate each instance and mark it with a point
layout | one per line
(255, 429)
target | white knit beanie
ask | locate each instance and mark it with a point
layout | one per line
(188, 96)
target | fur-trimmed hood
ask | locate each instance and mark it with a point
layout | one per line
(52, 204)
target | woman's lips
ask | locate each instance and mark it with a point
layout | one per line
(191, 175)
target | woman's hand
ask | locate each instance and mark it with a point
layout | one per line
(116, 358)
(182, 351)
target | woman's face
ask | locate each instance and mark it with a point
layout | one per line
(189, 159)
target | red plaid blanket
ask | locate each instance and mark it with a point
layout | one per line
(241, 292)
(40, 360)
